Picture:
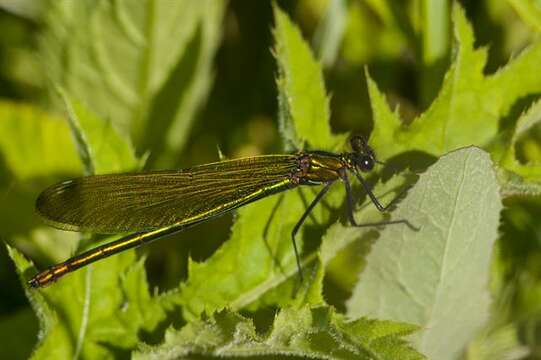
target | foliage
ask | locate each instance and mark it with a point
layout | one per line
(312, 332)
(122, 86)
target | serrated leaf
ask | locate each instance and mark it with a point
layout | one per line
(118, 56)
(469, 106)
(47, 317)
(257, 265)
(517, 178)
(307, 332)
(92, 311)
(303, 103)
(514, 185)
(437, 277)
(521, 179)
(100, 147)
(104, 305)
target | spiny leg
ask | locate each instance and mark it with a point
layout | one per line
(301, 221)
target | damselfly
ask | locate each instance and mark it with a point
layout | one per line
(157, 203)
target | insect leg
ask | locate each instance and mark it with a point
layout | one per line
(375, 200)
(301, 221)
(378, 205)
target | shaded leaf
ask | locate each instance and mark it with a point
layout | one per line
(529, 11)
(387, 39)
(328, 36)
(100, 148)
(118, 56)
(437, 277)
(17, 333)
(343, 242)
(501, 343)
(519, 178)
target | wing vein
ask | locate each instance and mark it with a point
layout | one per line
(150, 200)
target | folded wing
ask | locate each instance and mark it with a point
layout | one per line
(151, 200)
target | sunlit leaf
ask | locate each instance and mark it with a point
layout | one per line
(257, 264)
(308, 332)
(304, 105)
(469, 106)
(103, 303)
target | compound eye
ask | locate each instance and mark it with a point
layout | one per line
(366, 163)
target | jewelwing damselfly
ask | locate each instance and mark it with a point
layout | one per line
(157, 203)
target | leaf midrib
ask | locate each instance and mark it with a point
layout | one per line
(445, 253)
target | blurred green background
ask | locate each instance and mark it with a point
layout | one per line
(231, 106)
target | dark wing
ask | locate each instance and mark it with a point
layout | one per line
(151, 200)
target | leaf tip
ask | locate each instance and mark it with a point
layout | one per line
(462, 29)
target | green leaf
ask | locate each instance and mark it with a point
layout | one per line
(433, 38)
(518, 178)
(437, 277)
(104, 306)
(514, 185)
(435, 30)
(303, 103)
(381, 33)
(93, 311)
(34, 143)
(501, 343)
(343, 242)
(529, 11)
(469, 106)
(257, 264)
(118, 56)
(29, 9)
(18, 331)
(36, 149)
(529, 172)
(100, 147)
(307, 332)
(46, 315)
(328, 36)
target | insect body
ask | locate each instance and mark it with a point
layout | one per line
(157, 203)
